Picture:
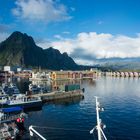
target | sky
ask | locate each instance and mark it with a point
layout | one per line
(86, 29)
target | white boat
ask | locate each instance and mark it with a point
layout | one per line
(8, 131)
(11, 114)
(26, 102)
(1, 91)
(33, 88)
(37, 88)
(11, 123)
(10, 89)
(15, 89)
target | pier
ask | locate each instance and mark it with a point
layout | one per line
(58, 95)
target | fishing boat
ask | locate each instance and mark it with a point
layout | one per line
(33, 88)
(11, 114)
(11, 123)
(15, 88)
(37, 88)
(10, 89)
(26, 102)
(1, 91)
(8, 131)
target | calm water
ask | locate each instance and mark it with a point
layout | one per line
(119, 96)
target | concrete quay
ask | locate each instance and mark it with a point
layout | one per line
(58, 95)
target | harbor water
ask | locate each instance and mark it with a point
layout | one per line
(74, 118)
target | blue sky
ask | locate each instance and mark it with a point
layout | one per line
(64, 22)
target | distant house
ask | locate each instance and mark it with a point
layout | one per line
(7, 68)
(19, 69)
(16, 69)
(29, 70)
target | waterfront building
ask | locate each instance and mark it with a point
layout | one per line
(7, 68)
(67, 75)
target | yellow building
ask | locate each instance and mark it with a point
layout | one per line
(60, 75)
(66, 75)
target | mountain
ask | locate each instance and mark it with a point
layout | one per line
(20, 50)
(119, 64)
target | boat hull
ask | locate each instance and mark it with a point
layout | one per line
(27, 105)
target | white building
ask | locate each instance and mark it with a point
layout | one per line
(19, 69)
(7, 68)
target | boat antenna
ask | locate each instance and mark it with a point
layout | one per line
(99, 126)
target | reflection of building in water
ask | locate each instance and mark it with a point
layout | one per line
(67, 101)
(40, 76)
(45, 83)
(61, 83)
(65, 75)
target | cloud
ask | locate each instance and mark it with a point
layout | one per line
(41, 10)
(4, 31)
(58, 37)
(66, 32)
(4, 28)
(3, 36)
(63, 45)
(86, 47)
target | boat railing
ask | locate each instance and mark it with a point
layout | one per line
(8, 118)
(33, 131)
(24, 99)
(5, 132)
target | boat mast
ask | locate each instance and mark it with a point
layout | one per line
(98, 119)
(98, 127)
(32, 130)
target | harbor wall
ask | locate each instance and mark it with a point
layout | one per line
(60, 95)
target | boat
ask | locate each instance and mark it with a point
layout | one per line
(11, 123)
(1, 91)
(37, 88)
(11, 114)
(10, 89)
(33, 88)
(26, 102)
(8, 131)
(15, 89)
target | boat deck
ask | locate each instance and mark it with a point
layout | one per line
(5, 119)
(5, 132)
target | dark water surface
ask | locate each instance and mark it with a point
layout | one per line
(119, 96)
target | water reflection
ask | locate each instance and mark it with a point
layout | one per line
(119, 96)
(23, 84)
(66, 102)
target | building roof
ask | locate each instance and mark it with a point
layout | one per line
(11, 109)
